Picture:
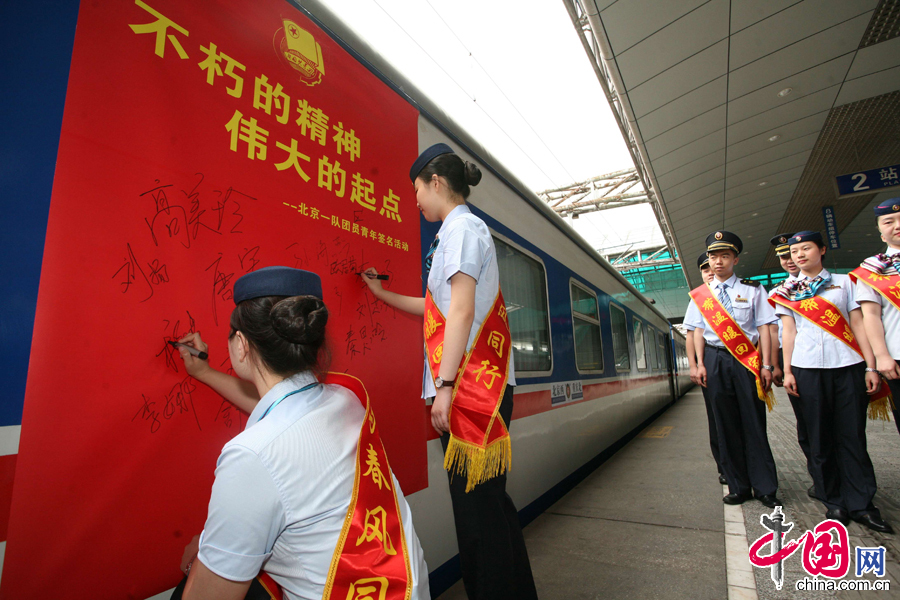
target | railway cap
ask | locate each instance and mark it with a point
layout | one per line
(702, 260)
(426, 157)
(277, 281)
(891, 206)
(724, 240)
(780, 241)
(806, 236)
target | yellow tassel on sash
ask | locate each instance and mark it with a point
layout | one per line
(767, 397)
(880, 410)
(475, 463)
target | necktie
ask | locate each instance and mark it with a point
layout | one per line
(429, 257)
(724, 299)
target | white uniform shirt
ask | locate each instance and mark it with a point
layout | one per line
(282, 490)
(751, 310)
(780, 325)
(465, 245)
(890, 316)
(815, 348)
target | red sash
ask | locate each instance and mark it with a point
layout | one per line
(886, 285)
(479, 442)
(826, 315)
(371, 558)
(734, 338)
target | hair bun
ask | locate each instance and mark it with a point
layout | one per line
(473, 173)
(300, 319)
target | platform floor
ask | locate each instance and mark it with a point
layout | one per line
(650, 522)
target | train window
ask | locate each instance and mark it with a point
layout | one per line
(586, 329)
(620, 337)
(524, 284)
(640, 353)
(653, 348)
(663, 358)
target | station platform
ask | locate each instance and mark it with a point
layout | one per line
(650, 522)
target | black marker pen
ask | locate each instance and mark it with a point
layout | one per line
(381, 277)
(191, 349)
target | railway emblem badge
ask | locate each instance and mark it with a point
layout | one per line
(782, 239)
(718, 235)
(301, 51)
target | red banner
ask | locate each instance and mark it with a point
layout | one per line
(200, 141)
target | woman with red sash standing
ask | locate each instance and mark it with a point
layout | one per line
(829, 365)
(469, 373)
(293, 501)
(878, 293)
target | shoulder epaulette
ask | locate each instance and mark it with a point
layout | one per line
(750, 282)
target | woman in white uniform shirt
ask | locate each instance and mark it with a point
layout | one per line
(831, 380)
(284, 485)
(463, 279)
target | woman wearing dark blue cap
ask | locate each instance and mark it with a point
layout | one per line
(469, 373)
(286, 485)
(829, 366)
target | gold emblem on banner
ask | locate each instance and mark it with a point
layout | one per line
(301, 51)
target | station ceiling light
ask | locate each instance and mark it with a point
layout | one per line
(785, 92)
(775, 137)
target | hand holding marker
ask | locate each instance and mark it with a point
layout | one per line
(371, 276)
(191, 349)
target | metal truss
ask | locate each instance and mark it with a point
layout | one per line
(598, 193)
(631, 259)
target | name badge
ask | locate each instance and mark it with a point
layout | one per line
(833, 287)
(739, 299)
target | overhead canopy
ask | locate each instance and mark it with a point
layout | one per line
(744, 112)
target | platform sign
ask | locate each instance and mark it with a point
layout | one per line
(834, 242)
(867, 182)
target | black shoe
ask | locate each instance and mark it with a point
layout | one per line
(770, 500)
(811, 492)
(838, 514)
(722, 480)
(736, 498)
(874, 522)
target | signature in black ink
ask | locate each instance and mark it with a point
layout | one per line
(131, 273)
(221, 285)
(173, 333)
(248, 259)
(177, 401)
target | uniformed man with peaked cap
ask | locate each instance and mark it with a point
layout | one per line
(737, 389)
(694, 358)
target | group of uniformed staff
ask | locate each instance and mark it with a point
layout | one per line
(832, 341)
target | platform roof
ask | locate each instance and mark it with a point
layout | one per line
(701, 83)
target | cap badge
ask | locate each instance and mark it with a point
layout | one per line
(895, 207)
(782, 239)
(718, 235)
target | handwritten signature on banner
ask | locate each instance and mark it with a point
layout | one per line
(313, 123)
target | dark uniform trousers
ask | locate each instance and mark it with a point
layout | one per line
(492, 551)
(802, 436)
(713, 436)
(834, 404)
(740, 416)
(894, 385)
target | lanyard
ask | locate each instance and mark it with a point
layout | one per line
(277, 402)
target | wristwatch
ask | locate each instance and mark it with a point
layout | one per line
(769, 368)
(439, 382)
(869, 370)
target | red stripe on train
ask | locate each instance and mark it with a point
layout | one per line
(534, 403)
(7, 473)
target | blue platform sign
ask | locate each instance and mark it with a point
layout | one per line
(867, 182)
(834, 242)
